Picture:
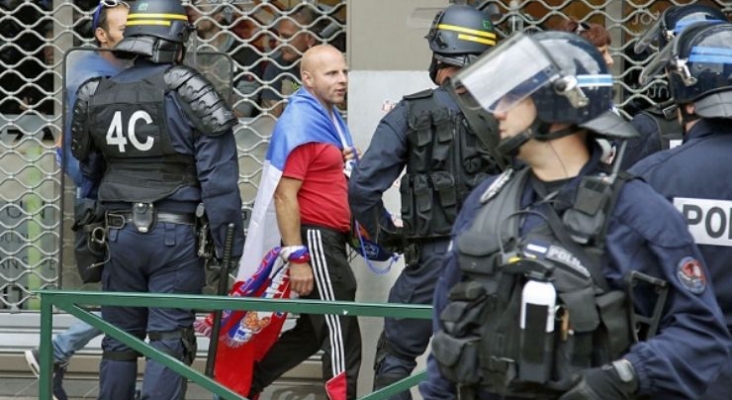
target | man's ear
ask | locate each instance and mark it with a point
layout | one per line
(690, 108)
(101, 35)
(307, 79)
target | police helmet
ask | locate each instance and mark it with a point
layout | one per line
(565, 76)
(675, 19)
(459, 34)
(699, 67)
(158, 29)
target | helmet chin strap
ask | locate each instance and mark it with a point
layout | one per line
(434, 67)
(509, 147)
(557, 134)
(538, 130)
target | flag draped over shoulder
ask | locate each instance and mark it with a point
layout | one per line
(247, 336)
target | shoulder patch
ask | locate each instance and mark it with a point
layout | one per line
(420, 95)
(691, 275)
(496, 186)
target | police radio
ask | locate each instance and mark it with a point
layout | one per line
(538, 309)
(538, 304)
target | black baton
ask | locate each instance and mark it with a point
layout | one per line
(222, 291)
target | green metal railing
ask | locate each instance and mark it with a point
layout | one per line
(69, 301)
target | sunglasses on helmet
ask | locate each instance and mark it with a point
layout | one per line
(105, 4)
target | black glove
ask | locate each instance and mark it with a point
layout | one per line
(616, 381)
(393, 241)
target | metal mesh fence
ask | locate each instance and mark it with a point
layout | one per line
(264, 40)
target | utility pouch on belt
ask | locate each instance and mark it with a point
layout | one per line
(456, 348)
(458, 357)
(143, 216)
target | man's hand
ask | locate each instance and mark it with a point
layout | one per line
(301, 278)
(349, 153)
(616, 381)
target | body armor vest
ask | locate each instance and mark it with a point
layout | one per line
(495, 335)
(444, 164)
(128, 127)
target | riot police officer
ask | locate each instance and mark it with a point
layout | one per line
(428, 134)
(157, 140)
(688, 175)
(545, 258)
(657, 125)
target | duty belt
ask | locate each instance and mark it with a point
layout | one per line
(118, 219)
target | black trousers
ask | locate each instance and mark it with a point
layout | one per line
(337, 335)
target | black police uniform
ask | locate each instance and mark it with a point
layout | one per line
(693, 175)
(683, 175)
(426, 133)
(157, 140)
(170, 171)
(429, 135)
(691, 321)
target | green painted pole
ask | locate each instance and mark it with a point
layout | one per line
(203, 302)
(44, 385)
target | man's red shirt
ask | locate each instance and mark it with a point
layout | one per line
(323, 196)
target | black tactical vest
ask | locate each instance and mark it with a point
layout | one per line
(129, 128)
(444, 164)
(483, 345)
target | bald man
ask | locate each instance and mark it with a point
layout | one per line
(313, 219)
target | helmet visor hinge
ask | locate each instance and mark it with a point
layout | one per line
(681, 68)
(568, 87)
